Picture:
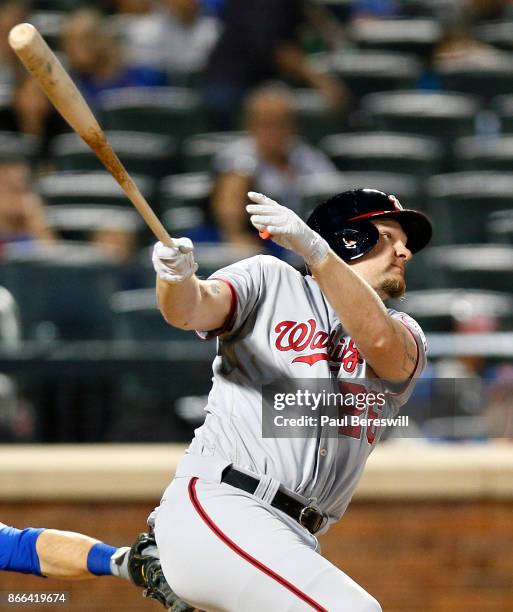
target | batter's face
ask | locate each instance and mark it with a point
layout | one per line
(383, 268)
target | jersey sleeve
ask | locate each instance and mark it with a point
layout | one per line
(400, 397)
(244, 279)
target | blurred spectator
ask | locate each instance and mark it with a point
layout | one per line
(117, 243)
(467, 366)
(95, 59)
(498, 410)
(270, 160)
(22, 215)
(171, 36)
(190, 36)
(259, 42)
(31, 113)
(142, 30)
(12, 12)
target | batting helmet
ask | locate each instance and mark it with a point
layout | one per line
(344, 221)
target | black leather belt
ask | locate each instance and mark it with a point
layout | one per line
(308, 516)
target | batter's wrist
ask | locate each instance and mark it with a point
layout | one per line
(317, 250)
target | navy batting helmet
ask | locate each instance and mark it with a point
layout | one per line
(344, 221)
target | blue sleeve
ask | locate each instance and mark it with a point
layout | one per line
(18, 550)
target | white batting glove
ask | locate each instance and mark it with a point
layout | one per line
(286, 228)
(174, 265)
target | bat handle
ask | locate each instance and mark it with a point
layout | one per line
(264, 234)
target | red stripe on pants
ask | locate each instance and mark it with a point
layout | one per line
(242, 553)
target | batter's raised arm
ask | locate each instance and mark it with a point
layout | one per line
(355, 296)
(184, 300)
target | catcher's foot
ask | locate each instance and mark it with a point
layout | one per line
(145, 571)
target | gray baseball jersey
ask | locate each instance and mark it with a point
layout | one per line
(282, 327)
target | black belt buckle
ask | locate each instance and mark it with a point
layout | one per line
(310, 518)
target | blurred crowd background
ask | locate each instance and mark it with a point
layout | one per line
(205, 100)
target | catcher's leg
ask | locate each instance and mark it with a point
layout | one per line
(223, 549)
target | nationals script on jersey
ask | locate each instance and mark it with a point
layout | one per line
(281, 327)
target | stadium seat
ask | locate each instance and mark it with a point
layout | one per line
(173, 111)
(366, 72)
(198, 151)
(62, 290)
(5, 103)
(14, 147)
(137, 318)
(503, 105)
(460, 203)
(79, 222)
(10, 328)
(319, 187)
(417, 36)
(49, 23)
(443, 115)
(88, 188)
(384, 152)
(148, 154)
(484, 81)
(315, 118)
(496, 33)
(476, 266)
(184, 200)
(484, 153)
(500, 226)
(436, 310)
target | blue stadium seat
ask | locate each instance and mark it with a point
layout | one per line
(184, 201)
(314, 116)
(436, 310)
(496, 33)
(173, 111)
(62, 290)
(137, 318)
(443, 115)
(484, 153)
(152, 155)
(416, 36)
(199, 150)
(88, 188)
(483, 81)
(476, 266)
(366, 72)
(500, 226)
(384, 152)
(317, 188)
(460, 203)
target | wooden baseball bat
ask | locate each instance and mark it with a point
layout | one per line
(42, 63)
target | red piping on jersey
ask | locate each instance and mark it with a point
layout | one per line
(242, 553)
(230, 319)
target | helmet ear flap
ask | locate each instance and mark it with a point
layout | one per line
(354, 240)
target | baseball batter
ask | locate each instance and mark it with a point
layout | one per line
(237, 527)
